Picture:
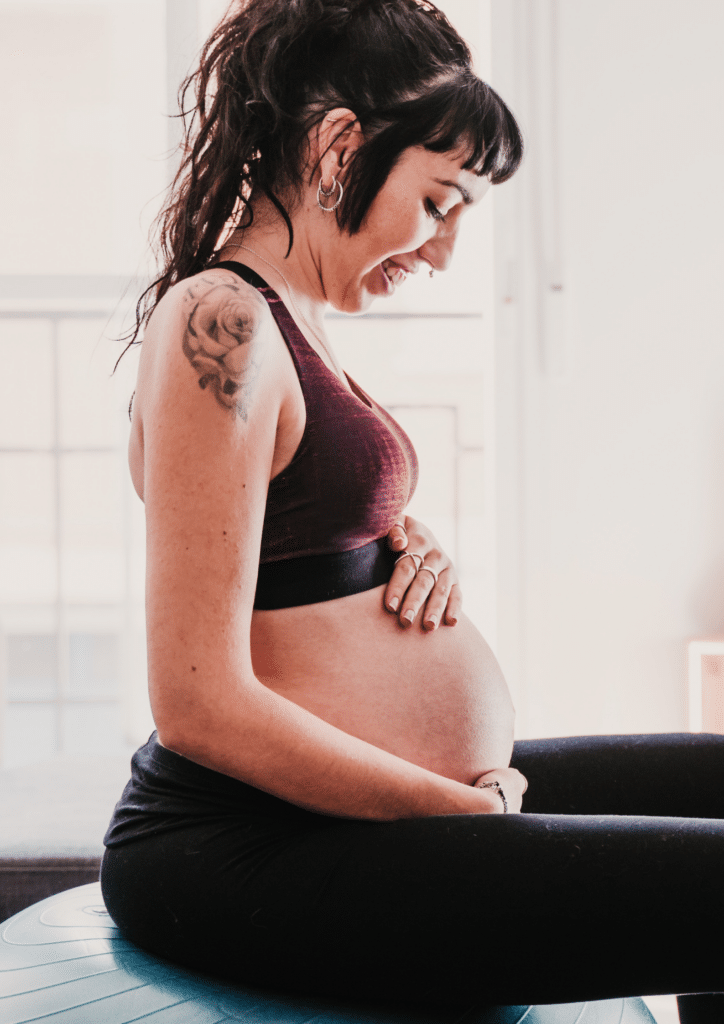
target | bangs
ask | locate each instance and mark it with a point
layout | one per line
(454, 113)
(475, 121)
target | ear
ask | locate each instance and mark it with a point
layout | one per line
(338, 136)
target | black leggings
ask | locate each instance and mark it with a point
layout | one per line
(610, 883)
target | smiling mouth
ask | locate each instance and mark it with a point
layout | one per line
(394, 273)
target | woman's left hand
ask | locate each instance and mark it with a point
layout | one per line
(412, 589)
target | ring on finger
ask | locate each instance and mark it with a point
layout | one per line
(414, 556)
(401, 525)
(426, 568)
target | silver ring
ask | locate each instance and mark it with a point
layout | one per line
(414, 556)
(401, 525)
(321, 191)
(432, 572)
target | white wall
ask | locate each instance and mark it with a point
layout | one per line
(88, 162)
(610, 412)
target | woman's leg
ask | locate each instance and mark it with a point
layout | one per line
(450, 910)
(678, 774)
(665, 774)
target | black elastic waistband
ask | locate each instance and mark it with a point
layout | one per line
(315, 578)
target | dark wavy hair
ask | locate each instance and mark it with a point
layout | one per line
(266, 78)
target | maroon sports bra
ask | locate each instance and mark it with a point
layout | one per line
(329, 512)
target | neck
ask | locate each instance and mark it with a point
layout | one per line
(300, 280)
(259, 251)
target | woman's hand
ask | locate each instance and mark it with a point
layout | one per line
(412, 588)
(512, 783)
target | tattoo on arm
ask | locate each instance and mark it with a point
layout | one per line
(219, 340)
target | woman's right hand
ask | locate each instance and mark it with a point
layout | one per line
(512, 783)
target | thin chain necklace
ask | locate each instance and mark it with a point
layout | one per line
(338, 369)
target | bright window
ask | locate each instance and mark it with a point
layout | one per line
(85, 91)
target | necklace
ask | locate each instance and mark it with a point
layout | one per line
(337, 368)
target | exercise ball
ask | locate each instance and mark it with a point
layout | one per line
(63, 961)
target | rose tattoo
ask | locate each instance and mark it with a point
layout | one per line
(218, 344)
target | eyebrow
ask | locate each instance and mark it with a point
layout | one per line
(467, 198)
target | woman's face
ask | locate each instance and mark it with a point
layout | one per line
(413, 223)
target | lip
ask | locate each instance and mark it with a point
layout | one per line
(395, 273)
(387, 284)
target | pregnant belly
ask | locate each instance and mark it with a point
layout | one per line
(436, 699)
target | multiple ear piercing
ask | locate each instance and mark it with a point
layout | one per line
(323, 193)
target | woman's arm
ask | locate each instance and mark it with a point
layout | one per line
(210, 428)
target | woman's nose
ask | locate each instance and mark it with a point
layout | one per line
(438, 251)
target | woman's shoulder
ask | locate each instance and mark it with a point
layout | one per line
(212, 298)
(211, 331)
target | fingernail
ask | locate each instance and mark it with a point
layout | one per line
(452, 621)
(431, 622)
(408, 616)
(394, 603)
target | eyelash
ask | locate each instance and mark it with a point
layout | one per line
(433, 211)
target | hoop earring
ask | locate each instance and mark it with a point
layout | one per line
(322, 192)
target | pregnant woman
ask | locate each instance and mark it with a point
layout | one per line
(328, 803)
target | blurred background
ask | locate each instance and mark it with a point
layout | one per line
(562, 383)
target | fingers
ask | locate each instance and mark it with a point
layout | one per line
(513, 783)
(431, 597)
(403, 576)
(417, 596)
(428, 596)
(454, 605)
(397, 537)
(423, 586)
(435, 597)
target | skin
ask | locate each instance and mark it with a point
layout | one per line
(414, 221)
(269, 697)
(218, 341)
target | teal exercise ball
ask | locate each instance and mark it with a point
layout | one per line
(63, 961)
